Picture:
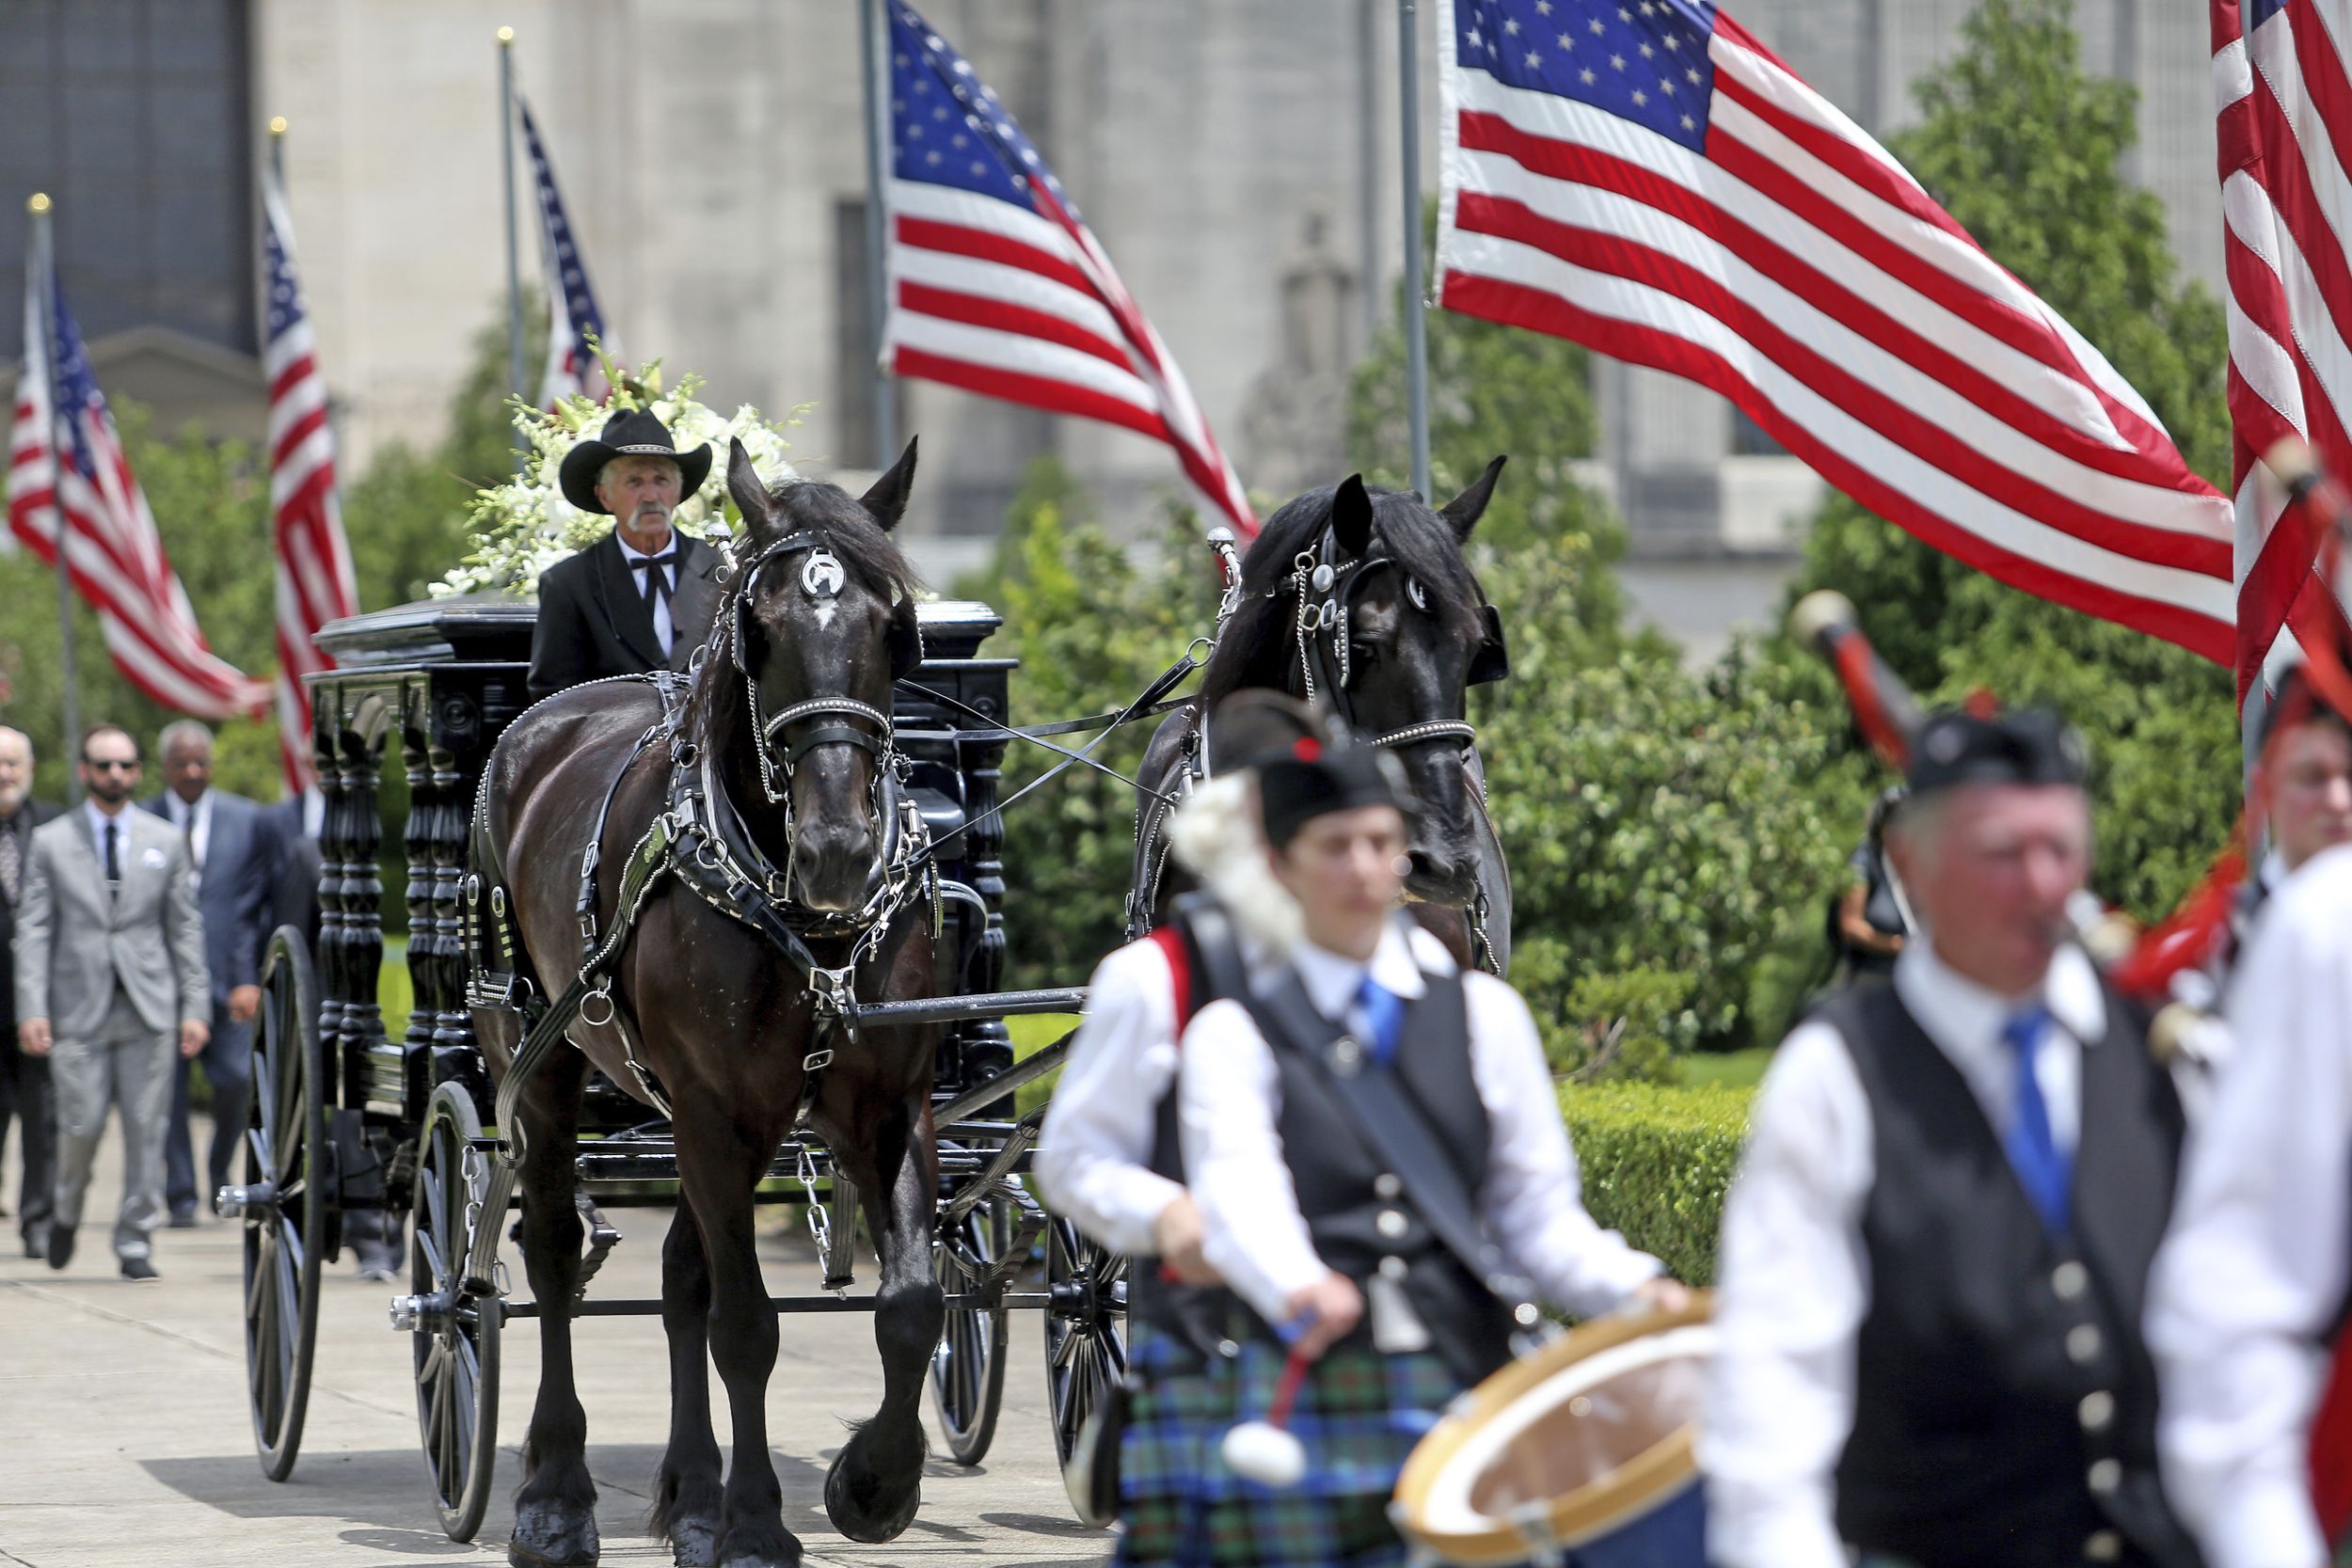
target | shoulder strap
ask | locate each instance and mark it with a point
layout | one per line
(1395, 1128)
(1179, 955)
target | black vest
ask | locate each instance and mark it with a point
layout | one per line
(2006, 1405)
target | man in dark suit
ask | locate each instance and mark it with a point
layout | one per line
(234, 861)
(24, 1089)
(642, 597)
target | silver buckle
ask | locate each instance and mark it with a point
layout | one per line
(816, 1059)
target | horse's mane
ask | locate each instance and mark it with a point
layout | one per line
(1256, 643)
(716, 713)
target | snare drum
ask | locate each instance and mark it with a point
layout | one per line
(1580, 1452)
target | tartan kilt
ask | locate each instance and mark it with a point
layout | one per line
(1359, 1414)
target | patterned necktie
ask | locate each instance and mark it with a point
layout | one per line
(11, 860)
(2045, 1171)
(1384, 1012)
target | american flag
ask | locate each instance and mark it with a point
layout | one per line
(314, 583)
(1645, 176)
(62, 447)
(573, 318)
(998, 287)
(2280, 82)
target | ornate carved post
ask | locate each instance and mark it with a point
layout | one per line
(369, 1062)
(424, 972)
(460, 747)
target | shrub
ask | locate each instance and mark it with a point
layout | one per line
(1656, 1161)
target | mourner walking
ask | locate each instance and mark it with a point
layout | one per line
(1399, 1260)
(1936, 1247)
(25, 1093)
(642, 597)
(233, 860)
(110, 978)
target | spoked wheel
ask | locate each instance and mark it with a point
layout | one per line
(968, 1368)
(286, 1201)
(455, 1331)
(1086, 1329)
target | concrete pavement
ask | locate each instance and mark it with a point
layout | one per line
(125, 1436)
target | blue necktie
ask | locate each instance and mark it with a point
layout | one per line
(2045, 1171)
(1384, 1011)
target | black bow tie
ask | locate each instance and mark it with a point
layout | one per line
(655, 582)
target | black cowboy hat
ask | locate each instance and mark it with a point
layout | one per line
(631, 433)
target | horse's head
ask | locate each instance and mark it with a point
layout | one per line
(821, 622)
(1361, 597)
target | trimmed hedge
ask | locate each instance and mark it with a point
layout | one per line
(1656, 1161)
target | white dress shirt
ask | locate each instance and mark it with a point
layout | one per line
(1094, 1148)
(99, 823)
(2256, 1264)
(1229, 1098)
(1794, 1283)
(199, 839)
(664, 629)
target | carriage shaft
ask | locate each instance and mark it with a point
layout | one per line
(651, 1306)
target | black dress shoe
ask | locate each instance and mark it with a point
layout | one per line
(60, 1246)
(36, 1244)
(183, 1219)
(138, 1268)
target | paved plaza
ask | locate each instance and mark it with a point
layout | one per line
(124, 1437)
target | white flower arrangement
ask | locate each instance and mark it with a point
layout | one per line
(525, 526)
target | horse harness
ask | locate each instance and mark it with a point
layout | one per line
(700, 838)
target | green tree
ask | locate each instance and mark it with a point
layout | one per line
(2027, 151)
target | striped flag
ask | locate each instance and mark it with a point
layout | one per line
(573, 318)
(997, 286)
(1645, 176)
(2285, 104)
(63, 448)
(314, 583)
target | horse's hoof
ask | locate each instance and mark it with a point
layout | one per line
(693, 1543)
(785, 1554)
(862, 1508)
(548, 1535)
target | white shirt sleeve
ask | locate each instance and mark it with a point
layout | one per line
(1094, 1150)
(1533, 1199)
(2256, 1266)
(1229, 1102)
(1792, 1289)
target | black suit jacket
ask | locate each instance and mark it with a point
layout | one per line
(595, 621)
(294, 890)
(35, 812)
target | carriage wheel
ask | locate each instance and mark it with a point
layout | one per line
(455, 1332)
(968, 1368)
(1085, 1328)
(286, 1199)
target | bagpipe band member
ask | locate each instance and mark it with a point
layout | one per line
(1935, 1250)
(2256, 1276)
(2304, 775)
(1374, 1141)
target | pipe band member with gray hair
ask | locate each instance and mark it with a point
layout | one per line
(27, 1095)
(1402, 1264)
(1937, 1244)
(233, 860)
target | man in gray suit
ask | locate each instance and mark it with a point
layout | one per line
(109, 972)
(233, 855)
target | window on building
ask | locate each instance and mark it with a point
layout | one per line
(1750, 440)
(857, 330)
(134, 116)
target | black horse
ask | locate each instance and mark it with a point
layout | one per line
(785, 734)
(1360, 598)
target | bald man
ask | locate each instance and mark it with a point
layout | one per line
(24, 1092)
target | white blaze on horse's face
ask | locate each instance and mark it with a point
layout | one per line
(822, 578)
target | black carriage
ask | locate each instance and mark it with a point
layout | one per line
(356, 1111)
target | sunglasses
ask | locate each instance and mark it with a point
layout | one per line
(110, 766)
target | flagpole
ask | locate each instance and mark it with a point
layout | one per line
(873, 43)
(514, 262)
(1416, 326)
(45, 271)
(277, 149)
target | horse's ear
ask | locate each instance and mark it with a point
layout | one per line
(1351, 517)
(1463, 510)
(745, 486)
(887, 500)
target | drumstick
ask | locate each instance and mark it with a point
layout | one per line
(1264, 1452)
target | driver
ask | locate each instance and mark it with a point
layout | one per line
(640, 599)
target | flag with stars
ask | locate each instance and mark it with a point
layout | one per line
(998, 287)
(68, 474)
(1644, 176)
(573, 320)
(314, 579)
